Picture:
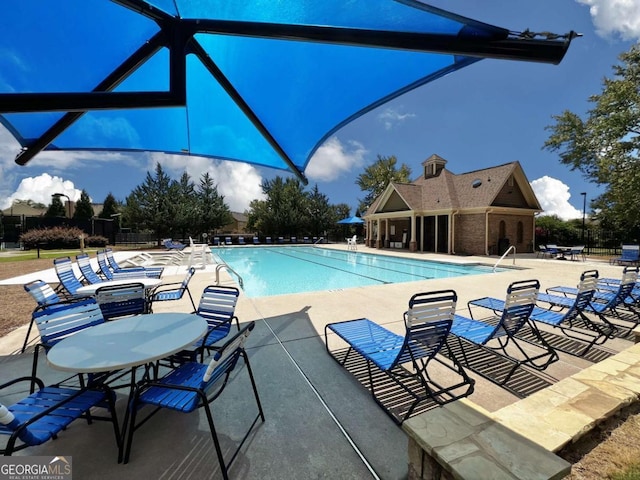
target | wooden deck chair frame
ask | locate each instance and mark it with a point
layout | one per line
(427, 323)
(517, 308)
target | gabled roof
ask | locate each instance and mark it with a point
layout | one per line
(449, 191)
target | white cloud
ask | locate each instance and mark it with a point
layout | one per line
(40, 188)
(553, 196)
(391, 117)
(615, 18)
(334, 158)
(240, 183)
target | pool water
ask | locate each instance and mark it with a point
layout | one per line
(268, 271)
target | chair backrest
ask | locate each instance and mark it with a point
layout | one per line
(111, 259)
(225, 359)
(42, 292)
(627, 284)
(521, 298)
(241, 241)
(217, 305)
(121, 300)
(227, 240)
(102, 262)
(64, 320)
(66, 275)
(630, 252)
(268, 240)
(84, 263)
(427, 322)
(586, 289)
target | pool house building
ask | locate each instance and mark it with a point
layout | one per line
(481, 212)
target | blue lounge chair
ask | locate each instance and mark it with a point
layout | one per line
(69, 283)
(605, 301)
(88, 274)
(427, 325)
(150, 272)
(630, 255)
(172, 291)
(109, 274)
(48, 411)
(195, 385)
(256, 241)
(227, 241)
(241, 241)
(44, 296)
(216, 241)
(268, 240)
(294, 240)
(171, 245)
(572, 321)
(496, 337)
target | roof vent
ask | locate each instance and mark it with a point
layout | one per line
(476, 183)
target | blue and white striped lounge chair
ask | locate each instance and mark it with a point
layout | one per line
(572, 321)
(48, 411)
(241, 241)
(227, 241)
(109, 274)
(402, 358)
(88, 274)
(44, 296)
(256, 241)
(496, 337)
(171, 245)
(196, 385)
(630, 255)
(69, 283)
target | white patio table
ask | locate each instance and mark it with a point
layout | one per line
(126, 344)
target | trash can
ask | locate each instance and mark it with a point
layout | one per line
(503, 245)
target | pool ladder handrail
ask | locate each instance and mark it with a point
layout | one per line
(511, 247)
(222, 264)
(318, 241)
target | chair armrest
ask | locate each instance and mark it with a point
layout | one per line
(160, 287)
(32, 380)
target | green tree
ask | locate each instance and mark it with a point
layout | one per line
(320, 215)
(283, 212)
(186, 214)
(151, 205)
(110, 206)
(605, 145)
(213, 212)
(56, 209)
(84, 209)
(377, 176)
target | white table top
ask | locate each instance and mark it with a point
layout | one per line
(91, 289)
(125, 343)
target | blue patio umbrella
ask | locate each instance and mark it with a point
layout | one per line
(263, 82)
(351, 221)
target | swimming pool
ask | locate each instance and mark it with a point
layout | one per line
(268, 271)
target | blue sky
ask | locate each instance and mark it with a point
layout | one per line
(489, 113)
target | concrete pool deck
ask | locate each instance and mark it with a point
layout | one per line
(320, 422)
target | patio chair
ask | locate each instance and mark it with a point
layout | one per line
(577, 253)
(88, 274)
(256, 241)
(306, 240)
(69, 283)
(195, 385)
(280, 239)
(402, 362)
(44, 296)
(172, 291)
(48, 411)
(217, 306)
(109, 274)
(572, 322)
(293, 240)
(603, 303)
(352, 243)
(268, 240)
(121, 300)
(630, 255)
(58, 321)
(496, 337)
(241, 241)
(150, 272)
(171, 245)
(216, 241)
(227, 241)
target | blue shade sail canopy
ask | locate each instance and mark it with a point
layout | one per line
(259, 81)
(351, 221)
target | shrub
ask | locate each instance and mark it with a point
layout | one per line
(59, 237)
